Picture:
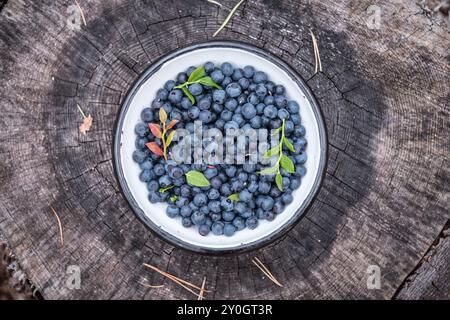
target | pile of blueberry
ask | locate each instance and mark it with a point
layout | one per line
(238, 196)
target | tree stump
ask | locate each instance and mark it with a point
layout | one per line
(384, 91)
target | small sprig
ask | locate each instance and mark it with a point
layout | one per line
(160, 131)
(197, 76)
(283, 160)
(234, 197)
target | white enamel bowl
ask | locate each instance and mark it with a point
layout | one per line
(143, 92)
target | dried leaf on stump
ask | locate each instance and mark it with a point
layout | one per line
(86, 125)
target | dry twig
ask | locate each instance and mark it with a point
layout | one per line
(318, 62)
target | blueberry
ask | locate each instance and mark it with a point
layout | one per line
(185, 191)
(182, 201)
(270, 86)
(231, 125)
(216, 183)
(185, 211)
(240, 207)
(217, 228)
(283, 114)
(274, 192)
(289, 127)
(253, 98)
(209, 66)
(269, 100)
(270, 111)
(278, 207)
(164, 181)
(195, 89)
(172, 211)
(193, 112)
(231, 104)
(280, 101)
(227, 68)
(186, 103)
(238, 118)
(293, 106)
(167, 107)
(252, 186)
(256, 122)
(251, 223)
(300, 171)
(267, 203)
(154, 197)
(295, 183)
(162, 94)
(287, 198)
(153, 185)
(286, 183)
(190, 70)
(186, 222)
(233, 90)
(243, 176)
(217, 76)
(239, 223)
(219, 96)
(214, 206)
(213, 194)
(302, 142)
(156, 104)
(139, 156)
(259, 77)
(248, 72)
(244, 83)
(175, 96)
(249, 168)
(146, 175)
(248, 111)
(226, 115)
(237, 74)
(252, 87)
(203, 230)
(147, 115)
(169, 85)
(270, 216)
(229, 230)
(176, 173)
(245, 195)
(182, 77)
(204, 103)
(226, 204)
(225, 189)
(205, 116)
(204, 209)
(260, 108)
(228, 216)
(217, 107)
(175, 115)
(198, 218)
(276, 123)
(279, 89)
(141, 129)
(200, 199)
(226, 81)
(261, 90)
(236, 185)
(299, 131)
(215, 216)
(301, 158)
(242, 99)
(264, 187)
(158, 169)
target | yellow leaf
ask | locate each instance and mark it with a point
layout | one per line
(86, 125)
(169, 138)
(162, 116)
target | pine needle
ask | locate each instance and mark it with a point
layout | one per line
(181, 282)
(81, 13)
(81, 111)
(201, 297)
(228, 18)
(61, 234)
(266, 271)
(318, 62)
(150, 286)
(215, 2)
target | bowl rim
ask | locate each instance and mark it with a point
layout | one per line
(173, 240)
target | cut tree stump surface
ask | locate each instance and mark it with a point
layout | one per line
(384, 93)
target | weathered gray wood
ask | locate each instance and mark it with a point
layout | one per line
(431, 280)
(384, 92)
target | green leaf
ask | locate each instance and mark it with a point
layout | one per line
(289, 145)
(162, 190)
(170, 138)
(279, 181)
(207, 81)
(276, 131)
(197, 74)
(196, 179)
(234, 197)
(287, 164)
(271, 152)
(174, 198)
(270, 170)
(188, 94)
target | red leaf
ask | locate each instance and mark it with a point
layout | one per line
(155, 129)
(172, 123)
(211, 166)
(153, 146)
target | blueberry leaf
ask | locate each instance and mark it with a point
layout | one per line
(170, 138)
(234, 197)
(207, 81)
(197, 74)
(174, 198)
(279, 181)
(162, 115)
(162, 190)
(270, 170)
(271, 152)
(289, 145)
(276, 131)
(188, 94)
(196, 179)
(287, 164)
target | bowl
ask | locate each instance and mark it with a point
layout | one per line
(140, 96)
